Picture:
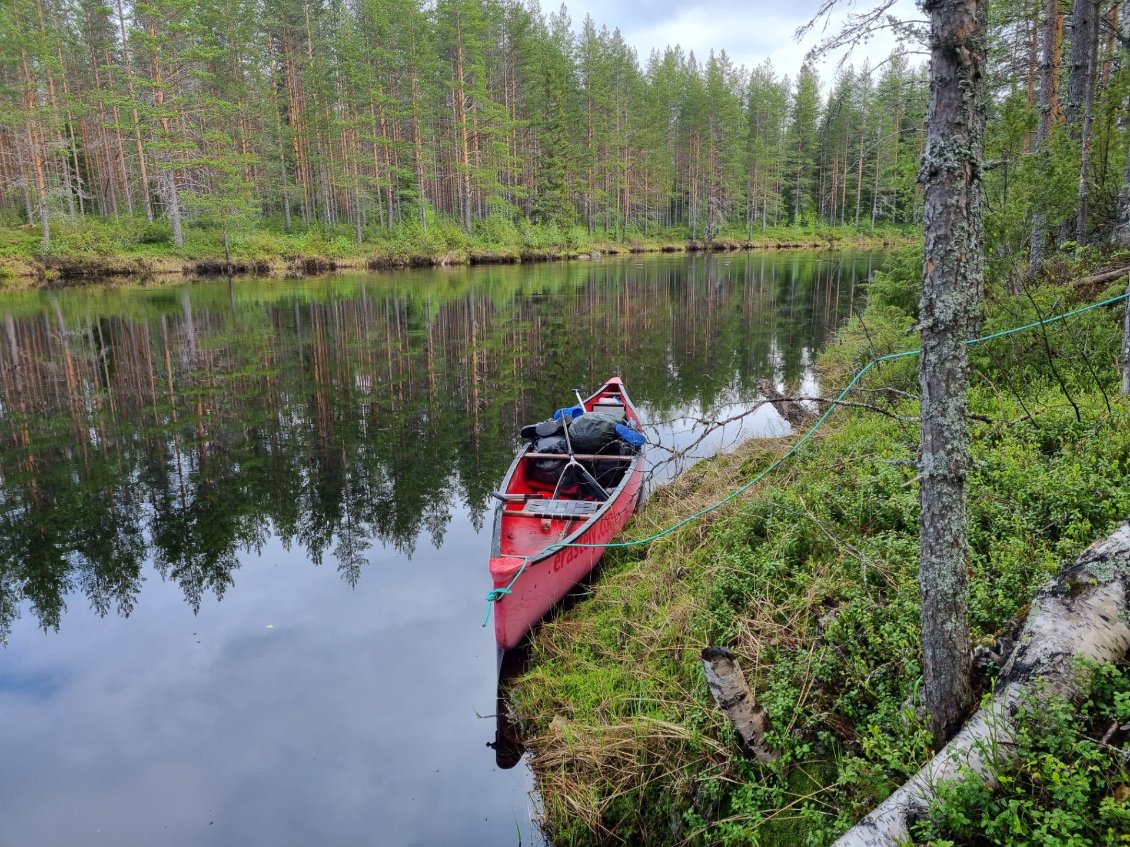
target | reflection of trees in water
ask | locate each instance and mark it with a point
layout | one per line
(192, 424)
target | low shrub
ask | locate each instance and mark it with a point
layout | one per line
(1064, 784)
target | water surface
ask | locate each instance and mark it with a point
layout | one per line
(242, 546)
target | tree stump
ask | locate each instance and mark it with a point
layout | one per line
(730, 690)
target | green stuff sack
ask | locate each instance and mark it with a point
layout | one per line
(594, 432)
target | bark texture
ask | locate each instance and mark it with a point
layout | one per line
(1081, 233)
(1049, 113)
(1082, 612)
(1122, 219)
(951, 297)
(730, 690)
(1126, 346)
(1083, 15)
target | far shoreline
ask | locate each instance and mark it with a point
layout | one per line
(27, 272)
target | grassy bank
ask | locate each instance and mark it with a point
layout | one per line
(94, 248)
(811, 579)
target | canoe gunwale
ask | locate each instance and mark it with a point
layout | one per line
(574, 537)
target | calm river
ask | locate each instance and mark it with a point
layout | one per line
(244, 529)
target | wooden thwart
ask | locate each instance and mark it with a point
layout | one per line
(564, 509)
(581, 457)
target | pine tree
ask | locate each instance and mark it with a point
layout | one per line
(802, 144)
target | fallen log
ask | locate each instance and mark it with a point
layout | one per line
(730, 690)
(1100, 278)
(790, 410)
(1080, 613)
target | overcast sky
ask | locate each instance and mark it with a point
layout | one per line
(748, 30)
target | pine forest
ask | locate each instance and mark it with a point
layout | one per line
(368, 116)
(366, 120)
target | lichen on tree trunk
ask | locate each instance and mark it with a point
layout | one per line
(1049, 114)
(951, 296)
(1126, 345)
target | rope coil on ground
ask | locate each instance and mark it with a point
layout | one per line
(495, 595)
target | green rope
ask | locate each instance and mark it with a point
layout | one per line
(497, 594)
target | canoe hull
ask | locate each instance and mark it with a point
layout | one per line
(549, 575)
(546, 581)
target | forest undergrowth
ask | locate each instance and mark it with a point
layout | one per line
(811, 580)
(131, 247)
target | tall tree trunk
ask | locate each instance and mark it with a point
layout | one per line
(167, 177)
(875, 183)
(418, 147)
(1086, 133)
(36, 146)
(951, 295)
(280, 147)
(1126, 345)
(1122, 219)
(1083, 14)
(1111, 39)
(136, 117)
(172, 204)
(1049, 114)
(859, 168)
(1032, 31)
(460, 96)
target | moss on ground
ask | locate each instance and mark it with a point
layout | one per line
(811, 579)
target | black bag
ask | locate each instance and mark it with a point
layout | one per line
(548, 471)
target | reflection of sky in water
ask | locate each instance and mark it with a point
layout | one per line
(295, 711)
(696, 433)
(300, 710)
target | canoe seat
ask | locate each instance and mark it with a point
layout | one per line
(560, 508)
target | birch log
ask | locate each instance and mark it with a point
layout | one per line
(730, 690)
(1082, 612)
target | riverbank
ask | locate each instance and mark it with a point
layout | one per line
(94, 251)
(810, 579)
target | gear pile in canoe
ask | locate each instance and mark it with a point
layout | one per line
(570, 490)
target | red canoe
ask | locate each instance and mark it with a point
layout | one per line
(531, 519)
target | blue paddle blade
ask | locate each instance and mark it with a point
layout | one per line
(629, 435)
(571, 411)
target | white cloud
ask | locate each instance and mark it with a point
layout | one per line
(749, 32)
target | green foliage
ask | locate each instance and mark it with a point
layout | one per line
(372, 113)
(880, 330)
(497, 231)
(899, 284)
(812, 580)
(1063, 787)
(157, 233)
